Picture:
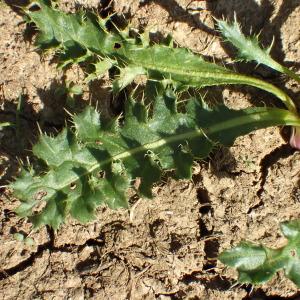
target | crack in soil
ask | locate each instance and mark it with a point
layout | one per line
(49, 245)
(30, 260)
(283, 151)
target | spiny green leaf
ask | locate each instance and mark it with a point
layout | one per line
(96, 164)
(127, 76)
(81, 31)
(249, 48)
(86, 33)
(54, 151)
(101, 67)
(185, 69)
(87, 125)
(257, 264)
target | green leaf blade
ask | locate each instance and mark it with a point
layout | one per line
(96, 165)
(87, 125)
(249, 48)
(258, 264)
(178, 66)
(244, 257)
(55, 151)
(127, 76)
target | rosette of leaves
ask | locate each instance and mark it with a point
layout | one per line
(96, 162)
(257, 264)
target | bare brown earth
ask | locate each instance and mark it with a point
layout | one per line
(165, 248)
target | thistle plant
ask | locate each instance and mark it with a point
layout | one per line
(95, 161)
(257, 264)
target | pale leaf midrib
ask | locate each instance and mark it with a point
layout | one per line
(243, 120)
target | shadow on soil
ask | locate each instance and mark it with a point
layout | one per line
(253, 17)
(16, 141)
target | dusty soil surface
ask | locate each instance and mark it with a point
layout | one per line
(165, 248)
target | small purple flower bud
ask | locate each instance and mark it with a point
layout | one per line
(295, 138)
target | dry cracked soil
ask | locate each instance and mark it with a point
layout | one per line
(165, 248)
